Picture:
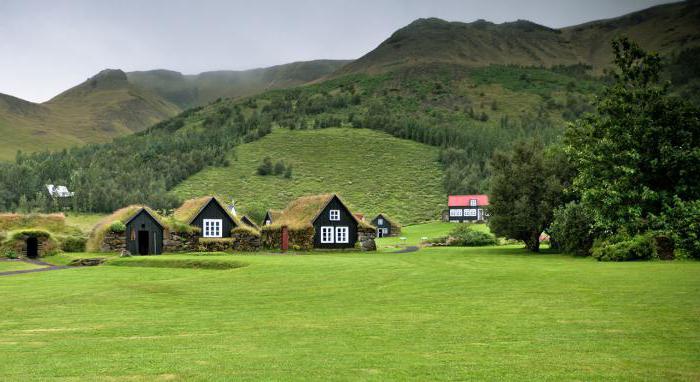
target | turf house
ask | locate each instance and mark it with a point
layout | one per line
(37, 235)
(319, 221)
(134, 229)
(215, 227)
(467, 208)
(271, 216)
(386, 226)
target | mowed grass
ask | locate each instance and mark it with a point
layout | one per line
(16, 265)
(414, 234)
(437, 314)
(373, 172)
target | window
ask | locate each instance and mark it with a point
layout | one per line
(326, 235)
(386, 231)
(335, 215)
(456, 212)
(267, 222)
(469, 212)
(211, 228)
(341, 234)
(380, 221)
(472, 202)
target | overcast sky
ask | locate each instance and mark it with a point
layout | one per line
(49, 46)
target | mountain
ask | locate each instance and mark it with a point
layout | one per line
(665, 28)
(199, 89)
(103, 107)
(113, 103)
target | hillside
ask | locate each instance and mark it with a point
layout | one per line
(103, 107)
(113, 103)
(374, 172)
(200, 89)
(666, 28)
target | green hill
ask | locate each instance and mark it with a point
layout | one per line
(200, 89)
(374, 172)
(103, 107)
(666, 29)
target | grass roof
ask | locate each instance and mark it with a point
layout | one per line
(190, 209)
(122, 215)
(274, 214)
(389, 219)
(51, 222)
(303, 211)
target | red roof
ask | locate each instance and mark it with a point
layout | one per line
(463, 200)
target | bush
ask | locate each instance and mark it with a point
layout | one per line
(572, 229)
(682, 221)
(117, 227)
(623, 248)
(265, 167)
(466, 236)
(73, 244)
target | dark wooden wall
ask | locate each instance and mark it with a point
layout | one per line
(346, 220)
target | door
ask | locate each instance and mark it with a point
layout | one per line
(143, 242)
(480, 213)
(285, 239)
(380, 232)
(32, 248)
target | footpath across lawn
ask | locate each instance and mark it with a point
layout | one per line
(436, 314)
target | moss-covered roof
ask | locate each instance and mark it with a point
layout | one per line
(122, 215)
(274, 214)
(303, 211)
(52, 222)
(249, 222)
(392, 222)
(189, 209)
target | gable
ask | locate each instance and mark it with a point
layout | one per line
(142, 217)
(335, 203)
(212, 210)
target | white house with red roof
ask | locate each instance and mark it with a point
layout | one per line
(468, 208)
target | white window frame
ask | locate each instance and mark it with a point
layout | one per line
(212, 228)
(380, 221)
(469, 212)
(342, 235)
(327, 235)
(456, 212)
(472, 202)
(334, 215)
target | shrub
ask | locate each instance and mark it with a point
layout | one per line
(73, 244)
(572, 229)
(466, 236)
(265, 167)
(623, 248)
(682, 221)
(117, 227)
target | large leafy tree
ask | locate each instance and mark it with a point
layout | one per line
(527, 184)
(639, 150)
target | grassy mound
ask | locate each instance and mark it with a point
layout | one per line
(169, 262)
(373, 172)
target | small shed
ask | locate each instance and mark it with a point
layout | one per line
(137, 229)
(386, 226)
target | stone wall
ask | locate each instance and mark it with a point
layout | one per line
(113, 242)
(365, 237)
(180, 241)
(245, 240)
(45, 246)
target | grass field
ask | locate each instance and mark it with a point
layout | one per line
(6, 266)
(443, 313)
(372, 171)
(85, 222)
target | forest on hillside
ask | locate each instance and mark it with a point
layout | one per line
(467, 112)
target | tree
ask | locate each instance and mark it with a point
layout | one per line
(288, 172)
(265, 167)
(279, 168)
(526, 187)
(639, 151)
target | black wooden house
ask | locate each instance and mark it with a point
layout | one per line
(209, 215)
(386, 226)
(144, 233)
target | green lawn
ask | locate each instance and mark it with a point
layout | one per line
(373, 172)
(440, 313)
(414, 234)
(6, 266)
